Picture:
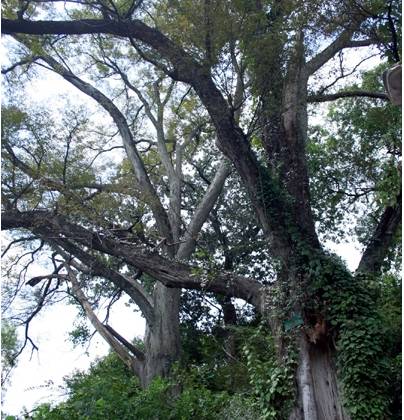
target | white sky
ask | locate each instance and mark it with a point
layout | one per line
(56, 357)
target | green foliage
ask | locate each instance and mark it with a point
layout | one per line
(200, 28)
(350, 306)
(9, 347)
(104, 392)
(260, 389)
(109, 391)
(355, 162)
(80, 334)
(357, 158)
(272, 381)
(261, 32)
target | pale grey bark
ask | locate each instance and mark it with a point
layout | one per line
(203, 210)
(392, 80)
(319, 393)
(135, 365)
(305, 381)
(328, 393)
(162, 339)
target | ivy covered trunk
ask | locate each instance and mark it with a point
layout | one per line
(285, 195)
(305, 343)
(162, 339)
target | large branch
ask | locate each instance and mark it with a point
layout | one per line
(381, 240)
(344, 40)
(175, 174)
(127, 29)
(203, 210)
(94, 267)
(121, 351)
(170, 273)
(270, 211)
(347, 94)
(156, 121)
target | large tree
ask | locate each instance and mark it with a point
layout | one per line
(253, 67)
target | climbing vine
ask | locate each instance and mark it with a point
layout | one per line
(343, 309)
(271, 379)
(348, 305)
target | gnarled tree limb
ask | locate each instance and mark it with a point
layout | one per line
(170, 273)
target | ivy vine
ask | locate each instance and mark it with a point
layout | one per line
(348, 304)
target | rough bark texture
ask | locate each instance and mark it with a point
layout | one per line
(162, 344)
(319, 394)
(325, 383)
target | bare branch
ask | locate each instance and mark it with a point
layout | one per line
(35, 280)
(47, 291)
(16, 241)
(203, 210)
(28, 60)
(348, 94)
(120, 350)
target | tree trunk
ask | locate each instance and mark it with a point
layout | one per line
(318, 394)
(162, 339)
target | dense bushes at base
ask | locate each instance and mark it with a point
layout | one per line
(201, 391)
(249, 384)
(155, 403)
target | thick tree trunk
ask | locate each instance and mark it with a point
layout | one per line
(162, 339)
(318, 394)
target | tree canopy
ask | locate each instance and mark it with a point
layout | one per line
(197, 179)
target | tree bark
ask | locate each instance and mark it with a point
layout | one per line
(382, 238)
(162, 339)
(318, 392)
